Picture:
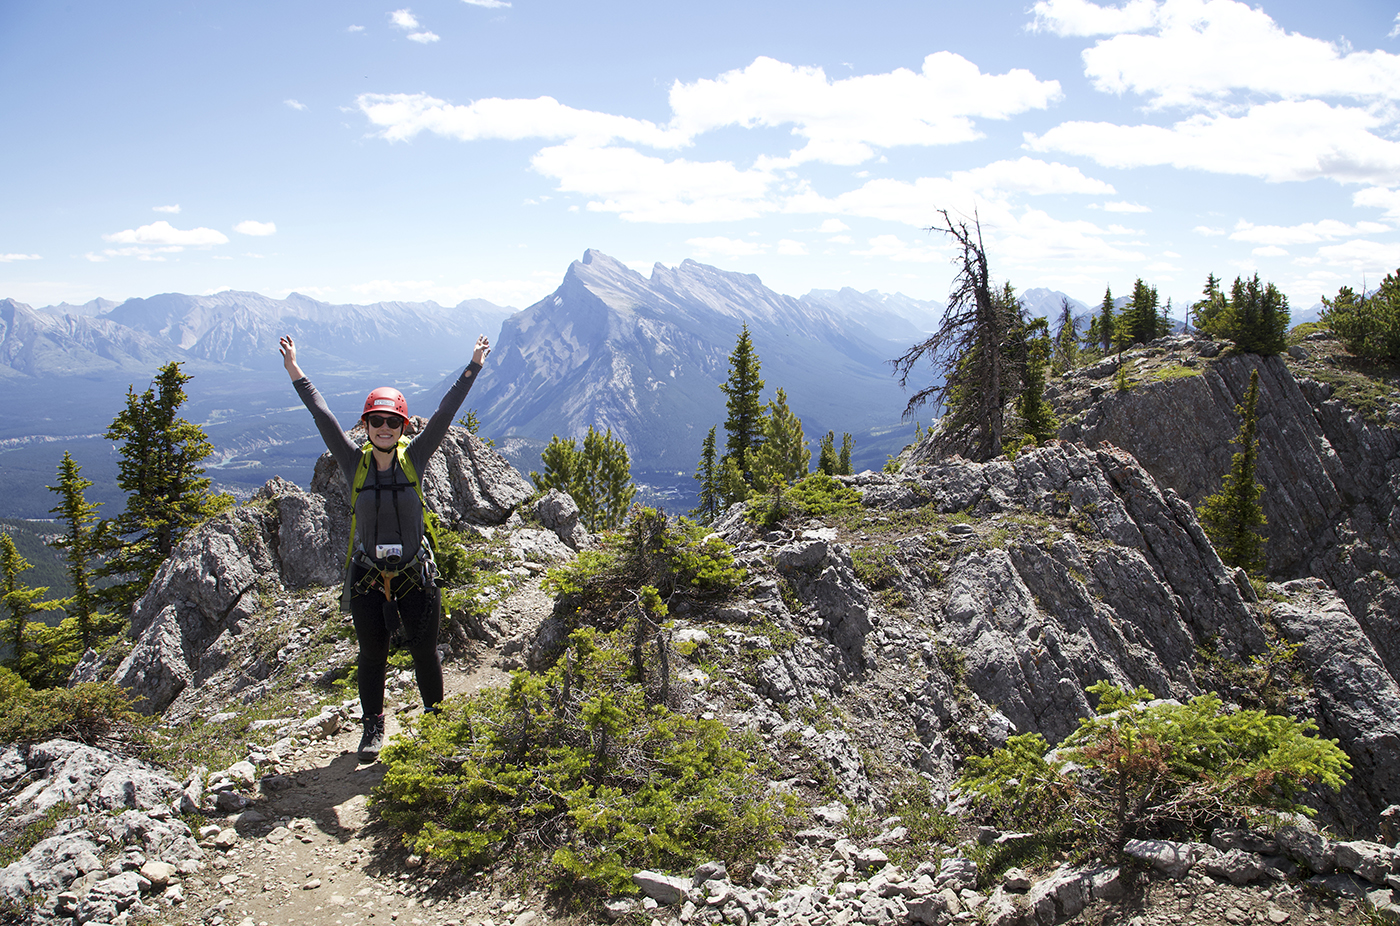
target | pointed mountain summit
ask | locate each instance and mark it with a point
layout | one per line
(645, 357)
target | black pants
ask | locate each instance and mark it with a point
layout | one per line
(420, 610)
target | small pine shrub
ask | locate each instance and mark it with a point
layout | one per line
(678, 558)
(820, 496)
(816, 496)
(1153, 769)
(578, 776)
(452, 554)
(88, 713)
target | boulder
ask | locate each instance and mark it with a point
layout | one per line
(824, 578)
(662, 888)
(1302, 842)
(52, 865)
(537, 546)
(559, 512)
(310, 545)
(72, 773)
(1173, 859)
(956, 872)
(1236, 866)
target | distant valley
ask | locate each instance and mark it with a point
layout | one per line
(609, 347)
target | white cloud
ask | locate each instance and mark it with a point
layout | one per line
(841, 239)
(1198, 51)
(401, 116)
(913, 203)
(1077, 17)
(892, 247)
(1035, 237)
(489, 4)
(162, 233)
(256, 228)
(1395, 30)
(171, 209)
(1269, 251)
(1275, 141)
(721, 246)
(1029, 176)
(641, 188)
(1125, 207)
(1265, 102)
(1306, 233)
(1208, 232)
(423, 38)
(1362, 255)
(294, 104)
(1379, 198)
(356, 29)
(140, 253)
(404, 19)
(844, 120)
(832, 226)
(8, 258)
(788, 247)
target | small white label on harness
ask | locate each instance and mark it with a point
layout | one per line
(393, 552)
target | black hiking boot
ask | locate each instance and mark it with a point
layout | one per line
(373, 740)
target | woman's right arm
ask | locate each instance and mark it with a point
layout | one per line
(346, 454)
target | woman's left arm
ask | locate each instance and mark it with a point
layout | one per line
(428, 440)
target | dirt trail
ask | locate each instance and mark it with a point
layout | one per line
(314, 858)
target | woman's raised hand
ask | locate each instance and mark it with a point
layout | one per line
(483, 347)
(288, 348)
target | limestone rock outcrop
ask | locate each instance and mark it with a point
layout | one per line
(219, 578)
(1331, 477)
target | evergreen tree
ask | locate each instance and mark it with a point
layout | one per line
(1209, 307)
(1107, 322)
(1092, 340)
(1164, 321)
(1139, 320)
(843, 462)
(159, 469)
(969, 352)
(733, 487)
(784, 455)
(20, 601)
(744, 423)
(1367, 325)
(1257, 317)
(598, 477)
(80, 544)
(1065, 353)
(708, 475)
(826, 456)
(1233, 517)
(1038, 421)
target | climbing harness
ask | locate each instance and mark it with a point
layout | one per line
(384, 568)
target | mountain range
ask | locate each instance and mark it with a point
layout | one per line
(609, 347)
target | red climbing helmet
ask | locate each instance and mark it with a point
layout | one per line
(386, 399)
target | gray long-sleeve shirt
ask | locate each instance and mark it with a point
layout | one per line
(387, 510)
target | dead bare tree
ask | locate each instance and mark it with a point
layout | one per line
(975, 374)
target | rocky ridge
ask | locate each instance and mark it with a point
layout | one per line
(967, 602)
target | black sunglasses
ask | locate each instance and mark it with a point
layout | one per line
(378, 421)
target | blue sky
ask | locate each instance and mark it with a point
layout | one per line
(451, 149)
